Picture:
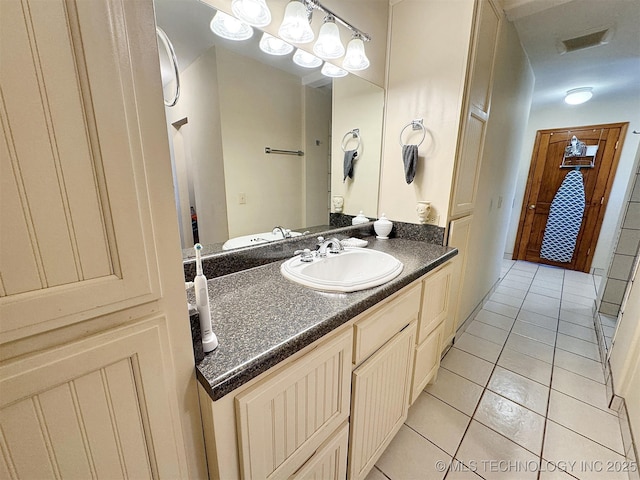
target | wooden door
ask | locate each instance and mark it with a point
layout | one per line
(546, 176)
(96, 365)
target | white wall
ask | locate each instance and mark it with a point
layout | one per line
(596, 111)
(357, 104)
(511, 98)
(429, 44)
(199, 103)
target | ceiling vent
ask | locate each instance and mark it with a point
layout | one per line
(593, 39)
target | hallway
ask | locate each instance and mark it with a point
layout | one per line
(522, 393)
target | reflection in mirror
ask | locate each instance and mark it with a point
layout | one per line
(235, 102)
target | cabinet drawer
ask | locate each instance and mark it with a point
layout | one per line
(330, 461)
(435, 300)
(380, 401)
(373, 331)
(285, 418)
(427, 361)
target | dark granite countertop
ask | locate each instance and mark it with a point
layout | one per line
(261, 318)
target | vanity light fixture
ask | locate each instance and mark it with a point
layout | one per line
(252, 12)
(274, 46)
(577, 96)
(356, 58)
(329, 70)
(329, 45)
(296, 24)
(305, 59)
(230, 27)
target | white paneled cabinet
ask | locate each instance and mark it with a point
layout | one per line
(312, 416)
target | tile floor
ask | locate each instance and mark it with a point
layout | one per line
(521, 394)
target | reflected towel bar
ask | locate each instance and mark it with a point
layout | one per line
(299, 153)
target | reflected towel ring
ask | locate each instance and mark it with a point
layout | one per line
(355, 133)
(168, 46)
(415, 125)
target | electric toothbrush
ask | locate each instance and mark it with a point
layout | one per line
(209, 339)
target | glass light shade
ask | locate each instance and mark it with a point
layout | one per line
(252, 12)
(274, 46)
(229, 27)
(295, 26)
(305, 59)
(356, 58)
(329, 45)
(578, 95)
(329, 70)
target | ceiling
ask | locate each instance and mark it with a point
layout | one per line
(612, 69)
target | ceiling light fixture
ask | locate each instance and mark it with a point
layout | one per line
(305, 59)
(274, 46)
(252, 12)
(329, 45)
(329, 70)
(356, 58)
(577, 96)
(229, 27)
(295, 27)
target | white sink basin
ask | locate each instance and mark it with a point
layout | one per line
(348, 271)
(254, 239)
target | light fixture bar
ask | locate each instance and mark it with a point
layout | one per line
(318, 6)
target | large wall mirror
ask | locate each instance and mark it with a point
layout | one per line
(235, 101)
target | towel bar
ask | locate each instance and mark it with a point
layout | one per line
(415, 125)
(299, 153)
(355, 133)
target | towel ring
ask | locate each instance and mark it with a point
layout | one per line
(355, 133)
(168, 46)
(415, 125)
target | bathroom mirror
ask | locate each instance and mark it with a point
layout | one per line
(235, 102)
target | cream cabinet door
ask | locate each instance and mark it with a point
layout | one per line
(284, 419)
(435, 300)
(426, 362)
(90, 250)
(380, 399)
(330, 461)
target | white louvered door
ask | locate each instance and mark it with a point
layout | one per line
(96, 366)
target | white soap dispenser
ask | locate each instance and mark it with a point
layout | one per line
(209, 339)
(383, 227)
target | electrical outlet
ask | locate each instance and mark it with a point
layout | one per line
(242, 198)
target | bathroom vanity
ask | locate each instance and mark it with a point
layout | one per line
(304, 380)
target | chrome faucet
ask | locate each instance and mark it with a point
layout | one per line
(333, 245)
(283, 231)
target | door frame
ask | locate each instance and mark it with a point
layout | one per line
(520, 247)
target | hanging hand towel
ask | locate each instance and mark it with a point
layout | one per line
(410, 159)
(565, 218)
(349, 157)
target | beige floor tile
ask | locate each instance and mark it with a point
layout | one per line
(578, 455)
(459, 471)
(455, 390)
(537, 298)
(554, 283)
(533, 348)
(535, 332)
(550, 323)
(586, 291)
(506, 310)
(582, 388)
(542, 308)
(521, 265)
(490, 454)
(577, 308)
(479, 347)
(526, 366)
(437, 421)
(578, 331)
(410, 456)
(518, 283)
(468, 366)
(577, 299)
(550, 471)
(519, 389)
(577, 318)
(547, 292)
(513, 292)
(506, 299)
(578, 346)
(593, 423)
(580, 365)
(488, 332)
(494, 319)
(515, 422)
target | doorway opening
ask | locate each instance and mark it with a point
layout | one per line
(595, 153)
